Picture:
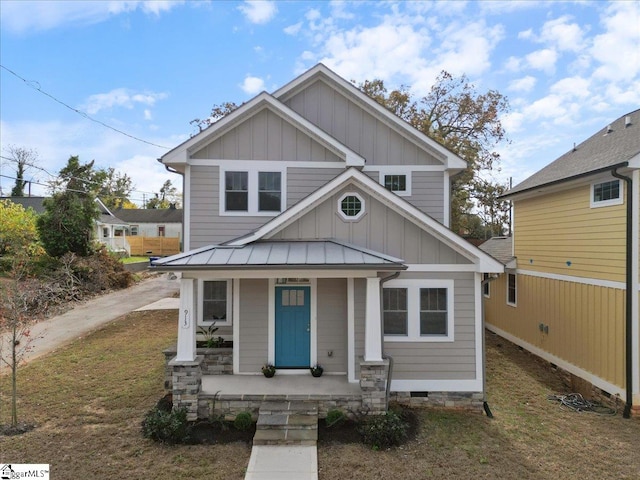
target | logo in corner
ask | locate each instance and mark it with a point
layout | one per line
(6, 471)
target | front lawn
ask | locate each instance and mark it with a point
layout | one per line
(89, 399)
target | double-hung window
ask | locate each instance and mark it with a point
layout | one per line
(251, 192)
(216, 302)
(418, 310)
(512, 289)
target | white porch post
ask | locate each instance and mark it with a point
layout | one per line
(187, 321)
(373, 324)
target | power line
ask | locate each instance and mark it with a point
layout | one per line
(36, 86)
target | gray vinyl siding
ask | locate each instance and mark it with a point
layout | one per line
(332, 324)
(360, 308)
(445, 360)
(380, 228)
(303, 181)
(348, 122)
(254, 324)
(266, 136)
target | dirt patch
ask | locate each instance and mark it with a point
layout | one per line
(206, 433)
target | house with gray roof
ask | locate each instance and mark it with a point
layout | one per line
(316, 232)
(571, 287)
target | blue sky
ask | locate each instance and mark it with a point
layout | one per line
(147, 68)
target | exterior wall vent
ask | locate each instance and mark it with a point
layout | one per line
(627, 121)
(609, 129)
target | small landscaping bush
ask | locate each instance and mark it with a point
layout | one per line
(383, 431)
(166, 427)
(243, 421)
(335, 417)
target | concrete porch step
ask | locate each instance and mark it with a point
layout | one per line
(287, 423)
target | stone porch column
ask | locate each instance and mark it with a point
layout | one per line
(373, 383)
(373, 322)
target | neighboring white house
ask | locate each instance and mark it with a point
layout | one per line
(161, 222)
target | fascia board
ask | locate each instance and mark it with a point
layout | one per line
(451, 160)
(398, 204)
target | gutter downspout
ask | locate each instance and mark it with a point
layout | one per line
(485, 403)
(628, 295)
(384, 355)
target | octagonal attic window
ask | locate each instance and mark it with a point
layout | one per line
(351, 206)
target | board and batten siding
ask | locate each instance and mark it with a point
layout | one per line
(303, 181)
(332, 324)
(559, 233)
(586, 322)
(348, 122)
(441, 360)
(266, 136)
(380, 228)
(254, 324)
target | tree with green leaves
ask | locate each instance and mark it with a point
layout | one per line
(466, 122)
(167, 196)
(18, 231)
(70, 213)
(115, 188)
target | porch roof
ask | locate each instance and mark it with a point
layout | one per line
(319, 254)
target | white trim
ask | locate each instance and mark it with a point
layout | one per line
(446, 214)
(479, 329)
(488, 285)
(398, 170)
(181, 153)
(236, 326)
(186, 219)
(271, 322)
(569, 367)
(351, 322)
(200, 310)
(373, 322)
(607, 203)
(452, 160)
(635, 274)
(413, 287)
(291, 273)
(410, 168)
(352, 218)
(437, 267)
(261, 164)
(353, 176)
(187, 319)
(569, 278)
(252, 191)
(472, 385)
(515, 281)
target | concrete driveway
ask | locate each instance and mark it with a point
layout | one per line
(55, 332)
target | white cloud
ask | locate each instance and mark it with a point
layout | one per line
(563, 35)
(252, 85)
(26, 16)
(513, 64)
(120, 97)
(258, 11)
(544, 60)
(338, 10)
(293, 29)
(572, 87)
(147, 114)
(618, 48)
(524, 84)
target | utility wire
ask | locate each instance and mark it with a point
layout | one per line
(36, 86)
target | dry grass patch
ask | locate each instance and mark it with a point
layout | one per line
(88, 400)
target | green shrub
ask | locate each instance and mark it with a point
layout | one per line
(383, 431)
(243, 421)
(335, 417)
(166, 427)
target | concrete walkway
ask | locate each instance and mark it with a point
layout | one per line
(287, 462)
(55, 332)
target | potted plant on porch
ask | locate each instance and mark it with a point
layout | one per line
(316, 370)
(268, 370)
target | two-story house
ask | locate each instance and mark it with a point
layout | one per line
(315, 232)
(570, 294)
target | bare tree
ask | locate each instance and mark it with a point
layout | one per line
(23, 158)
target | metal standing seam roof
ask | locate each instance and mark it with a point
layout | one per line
(613, 145)
(290, 254)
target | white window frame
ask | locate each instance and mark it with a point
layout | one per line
(252, 188)
(354, 217)
(487, 286)
(396, 170)
(134, 230)
(219, 323)
(413, 287)
(606, 203)
(515, 283)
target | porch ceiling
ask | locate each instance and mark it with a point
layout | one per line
(317, 254)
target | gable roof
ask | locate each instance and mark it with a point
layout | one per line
(500, 248)
(150, 215)
(317, 254)
(614, 145)
(353, 176)
(28, 202)
(180, 154)
(320, 71)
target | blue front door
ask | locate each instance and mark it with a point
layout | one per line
(293, 326)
